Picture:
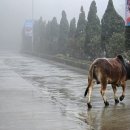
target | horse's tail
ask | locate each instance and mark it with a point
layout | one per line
(90, 78)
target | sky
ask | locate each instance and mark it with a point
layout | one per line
(13, 13)
(48, 8)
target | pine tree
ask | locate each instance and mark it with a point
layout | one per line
(116, 45)
(63, 33)
(72, 30)
(112, 22)
(54, 29)
(36, 35)
(80, 34)
(47, 37)
(81, 25)
(71, 42)
(93, 31)
(54, 33)
(39, 35)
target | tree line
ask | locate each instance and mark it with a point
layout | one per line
(88, 38)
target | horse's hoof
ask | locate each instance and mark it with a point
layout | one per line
(116, 101)
(122, 97)
(106, 103)
(89, 105)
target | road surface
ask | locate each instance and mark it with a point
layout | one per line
(37, 94)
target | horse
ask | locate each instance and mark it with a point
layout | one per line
(103, 71)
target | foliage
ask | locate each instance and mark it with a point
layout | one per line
(63, 34)
(72, 29)
(93, 31)
(81, 25)
(71, 39)
(127, 38)
(116, 45)
(54, 34)
(39, 32)
(87, 40)
(111, 22)
(80, 35)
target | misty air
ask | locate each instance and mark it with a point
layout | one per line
(64, 65)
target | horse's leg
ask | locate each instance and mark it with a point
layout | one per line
(89, 91)
(115, 96)
(103, 89)
(123, 84)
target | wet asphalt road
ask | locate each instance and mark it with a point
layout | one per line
(37, 94)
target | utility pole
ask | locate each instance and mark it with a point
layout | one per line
(32, 26)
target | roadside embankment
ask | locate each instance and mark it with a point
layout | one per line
(82, 64)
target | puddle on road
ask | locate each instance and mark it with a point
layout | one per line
(65, 89)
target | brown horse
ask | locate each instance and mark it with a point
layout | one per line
(114, 71)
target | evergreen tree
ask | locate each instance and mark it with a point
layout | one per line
(63, 33)
(112, 22)
(80, 34)
(41, 29)
(72, 30)
(47, 37)
(39, 35)
(81, 25)
(93, 33)
(36, 35)
(71, 43)
(54, 29)
(54, 33)
(116, 45)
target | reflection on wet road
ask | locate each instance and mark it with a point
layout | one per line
(64, 88)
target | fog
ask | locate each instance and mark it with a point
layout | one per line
(13, 13)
